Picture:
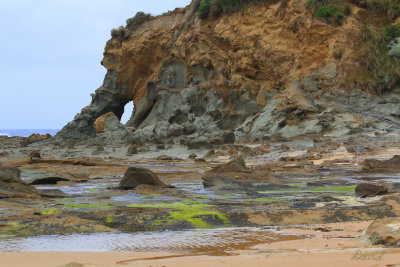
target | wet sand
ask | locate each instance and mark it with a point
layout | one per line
(323, 257)
(336, 244)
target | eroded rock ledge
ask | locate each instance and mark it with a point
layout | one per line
(248, 74)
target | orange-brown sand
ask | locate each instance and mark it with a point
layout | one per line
(328, 245)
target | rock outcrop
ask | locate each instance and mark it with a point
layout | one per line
(138, 176)
(384, 232)
(370, 190)
(11, 185)
(235, 165)
(106, 122)
(37, 138)
(374, 165)
(255, 74)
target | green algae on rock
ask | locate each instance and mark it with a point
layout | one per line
(191, 213)
(49, 212)
(109, 220)
(18, 230)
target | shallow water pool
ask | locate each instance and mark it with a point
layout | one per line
(212, 241)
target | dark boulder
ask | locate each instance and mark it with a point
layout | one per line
(374, 165)
(228, 138)
(133, 149)
(369, 190)
(49, 180)
(35, 155)
(137, 176)
(236, 165)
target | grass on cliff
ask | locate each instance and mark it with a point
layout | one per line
(213, 8)
(119, 33)
(375, 71)
(389, 8)
(138, 19)
(330, 11)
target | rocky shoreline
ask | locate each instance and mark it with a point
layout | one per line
(69, 188)
(241, 123)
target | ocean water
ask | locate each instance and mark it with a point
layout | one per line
(27, 132)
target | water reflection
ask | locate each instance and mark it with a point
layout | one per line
(195, 241)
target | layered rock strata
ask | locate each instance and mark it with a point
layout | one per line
(250, 75)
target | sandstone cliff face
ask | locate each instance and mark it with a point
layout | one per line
(259, 74)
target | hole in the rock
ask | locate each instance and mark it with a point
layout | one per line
(128, 112)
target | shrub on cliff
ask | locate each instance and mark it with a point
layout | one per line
(138, 19)
(389, 8)
(212, 8)
(119, 33)
(392, 32)
(327, 11)
(204, 9)
(330, 11)
(375, 70)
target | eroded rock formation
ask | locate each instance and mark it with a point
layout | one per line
(255, 74)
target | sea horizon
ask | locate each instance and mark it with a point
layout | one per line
(27, 132)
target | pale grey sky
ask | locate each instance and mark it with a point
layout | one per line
(50, 53)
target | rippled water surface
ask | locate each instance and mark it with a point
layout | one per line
(214, 241)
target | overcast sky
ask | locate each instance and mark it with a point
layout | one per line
(50, 53)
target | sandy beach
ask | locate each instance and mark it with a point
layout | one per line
(340, 247)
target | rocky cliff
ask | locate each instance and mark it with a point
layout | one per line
(271, 69)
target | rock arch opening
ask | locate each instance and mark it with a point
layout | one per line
(128, 113)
